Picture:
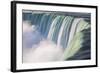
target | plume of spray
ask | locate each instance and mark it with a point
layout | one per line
(36, 48)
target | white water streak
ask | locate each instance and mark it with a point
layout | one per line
(73, 28)
(52, 28)
(61, 32)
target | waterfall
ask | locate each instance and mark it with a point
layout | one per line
(54, 29)
(68, 32)
(76, 43)
(64, 32)
(73, 29)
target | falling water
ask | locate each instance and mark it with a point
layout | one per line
(66, 31)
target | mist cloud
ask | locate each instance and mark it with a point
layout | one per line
(36, 48)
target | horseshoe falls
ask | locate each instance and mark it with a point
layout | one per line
(56, 36)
